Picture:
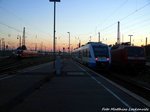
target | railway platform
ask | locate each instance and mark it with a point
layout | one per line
(74, 90)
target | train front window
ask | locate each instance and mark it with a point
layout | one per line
(100, 51)
(135, 51)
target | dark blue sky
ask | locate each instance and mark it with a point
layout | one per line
(82, 18)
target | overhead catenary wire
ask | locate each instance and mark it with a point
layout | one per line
(10, 27)
(135, 11)
(109, 26)
(17, 30)
(115, 11)
(136, 24)
(29, 32)
(24, 22)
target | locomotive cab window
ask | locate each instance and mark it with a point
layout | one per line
(100, 51)
(135, 51)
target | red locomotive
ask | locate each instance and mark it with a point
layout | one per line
(128, 56)
(27, 53)
(22, 52)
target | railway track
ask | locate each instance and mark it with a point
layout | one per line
(12, 68)
(11, 65)
(8, 65)
(127, 82)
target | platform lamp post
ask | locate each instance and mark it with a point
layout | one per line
(19, 37)
(54, 46)
(69, 42)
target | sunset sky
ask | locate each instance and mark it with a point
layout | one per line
(82, 18)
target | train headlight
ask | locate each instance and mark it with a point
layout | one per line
(107, 59)
(96, 59)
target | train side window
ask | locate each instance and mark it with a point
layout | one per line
(79, 54)
(86, 53)
(82, 53)
(89, 54)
